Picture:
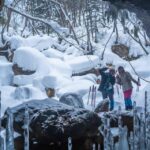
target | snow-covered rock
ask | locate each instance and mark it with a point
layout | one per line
(83, 63)
(72, 99)
(53, 53)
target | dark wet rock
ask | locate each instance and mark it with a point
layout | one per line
(50, 92)
(72, 99)
(19, 143)
(51, 120)
(121, 50)
(19, 71)
(103, 106)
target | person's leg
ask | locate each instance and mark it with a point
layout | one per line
(127, 99)
(125, 93)
(104, 95)
(111, 98)
(130, 106)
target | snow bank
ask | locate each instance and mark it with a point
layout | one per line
(83, 63)
(60, 67)
(53, 53)
(38, 42)
(79, 87)
(27, 58)
(16, 42)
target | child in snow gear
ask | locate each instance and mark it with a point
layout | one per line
(106, 85)
(125, 79)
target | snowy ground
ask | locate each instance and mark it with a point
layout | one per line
(54, 68)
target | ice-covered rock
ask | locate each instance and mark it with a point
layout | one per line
(22, 93)
(51, 120)
(72, 99)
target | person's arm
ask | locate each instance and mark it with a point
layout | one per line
(102, 70)
(132, 79)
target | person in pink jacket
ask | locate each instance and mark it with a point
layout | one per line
(125, 79)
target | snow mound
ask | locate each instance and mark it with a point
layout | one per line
(16, 42)
(53, 53)
(60, 67)
(39, 42)
(27, 58)
(50, 81)
(83, 63)
(79, 87)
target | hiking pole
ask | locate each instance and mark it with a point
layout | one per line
(138, 85)
(94, 96)
(92, 100)
(89, 95)
(145, 113)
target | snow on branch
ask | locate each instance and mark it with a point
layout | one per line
(52, 24)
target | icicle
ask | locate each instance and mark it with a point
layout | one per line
(146, 116)
(9, 131)
(105, 133)
(26, 129)
(119, 120)
(148, 131)
(142, 133)
(94, 147)
(123, 143)
(99, 147)
(1, 137)
(1, 143)
(69, 143)
(131, 141)
(136, 127)
(111, 142)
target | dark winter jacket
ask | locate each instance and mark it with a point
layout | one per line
(107, 81)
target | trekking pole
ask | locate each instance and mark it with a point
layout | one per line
(89, 95)
(92, 98)
(138, 85)
(145, 113)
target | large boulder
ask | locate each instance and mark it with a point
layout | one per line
(72, 99)
(121, 50)
(103, 106)
(51, 121)
(20, 71)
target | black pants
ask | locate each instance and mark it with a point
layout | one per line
(109, 95)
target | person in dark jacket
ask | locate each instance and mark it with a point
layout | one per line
(106, 85)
